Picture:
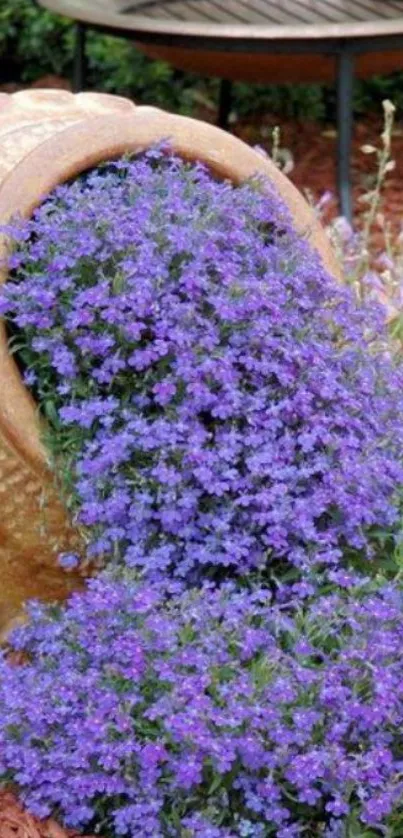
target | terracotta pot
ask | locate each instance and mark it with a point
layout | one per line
(47, 137)
(15, 822)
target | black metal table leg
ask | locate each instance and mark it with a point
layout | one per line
(224, 104)
(345, 85)
(80, 59)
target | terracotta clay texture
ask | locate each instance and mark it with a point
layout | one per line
(33, 524)
(47, 137)
(17, 823)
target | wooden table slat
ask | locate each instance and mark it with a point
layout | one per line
(213, 12)
(251, 11)
(376, 9)
(354, 12)
(241, 12)
(290, 12)
(275, 13)
(267, 12)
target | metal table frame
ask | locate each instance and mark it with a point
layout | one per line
(345, 50)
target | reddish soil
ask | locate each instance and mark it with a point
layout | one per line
(312, 150)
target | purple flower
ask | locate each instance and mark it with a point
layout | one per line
(68, 561)
(146, 711)
(202, 365)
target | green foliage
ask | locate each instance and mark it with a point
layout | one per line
(303, 101)
(370, 94)
(116, 66)
(33, 41)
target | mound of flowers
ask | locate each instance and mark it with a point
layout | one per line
(210, 713)
(224, 421)
(217, 402)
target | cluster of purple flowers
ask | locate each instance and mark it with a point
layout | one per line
(217, 405)
(214, 713)
(218, 401)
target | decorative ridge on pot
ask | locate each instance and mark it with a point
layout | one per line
(57, 143)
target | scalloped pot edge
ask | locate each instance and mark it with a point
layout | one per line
(84, 145)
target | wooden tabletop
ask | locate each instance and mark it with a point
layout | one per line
(240, 19)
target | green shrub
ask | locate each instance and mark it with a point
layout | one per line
(34, 42)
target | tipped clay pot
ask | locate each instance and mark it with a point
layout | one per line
(47, 137)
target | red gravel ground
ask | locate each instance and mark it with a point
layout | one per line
(312, 149)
